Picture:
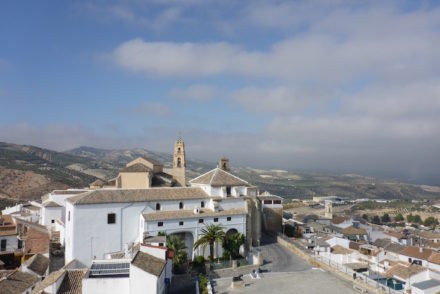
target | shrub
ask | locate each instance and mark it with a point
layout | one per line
(203, 284)
(200, 259)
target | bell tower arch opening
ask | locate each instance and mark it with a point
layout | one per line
(179, 162)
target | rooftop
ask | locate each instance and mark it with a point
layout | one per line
(417, 252)
(72, 282)
(136, 168)
(218, 178)
(182, 214)
(404, 271)
(17, 282)
(149, 263)
(38, 264)
(138, 195)
(426, 284)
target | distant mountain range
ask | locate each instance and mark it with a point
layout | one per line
(27, 172)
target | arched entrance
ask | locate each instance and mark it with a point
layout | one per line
(230, 232)
(189, 241)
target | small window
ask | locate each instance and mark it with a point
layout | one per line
(161, 244)
(200, 220)
(277, 202)
(157, 206)
(160, 224)
(215, 219)
(68, 216)
(52, 221)
(181, 205)
(180, 223)
(228, 191)
(111, 218)
(228, 218)
(202, 204)
(267, 201)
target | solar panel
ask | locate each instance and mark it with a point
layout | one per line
(109, 269)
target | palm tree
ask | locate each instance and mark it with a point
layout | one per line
(232, 244)
(209, 235)
(178, 246)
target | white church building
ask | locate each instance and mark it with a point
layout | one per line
(103, 222)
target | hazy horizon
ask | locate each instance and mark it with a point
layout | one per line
(339, 86)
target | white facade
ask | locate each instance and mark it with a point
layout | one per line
(11, 243)
(50, 214)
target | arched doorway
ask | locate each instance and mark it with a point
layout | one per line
(230, 232)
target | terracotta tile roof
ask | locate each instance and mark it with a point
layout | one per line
(7, 227)
(428, 234)
(353, 231)
(338, 249)
(138, 195)
(51, 204)
(434, 258)
(394, 234)
(136, 168)
(338, 220)
(98, 182)
(217, 178)
(182, 214)
(395, 248)
(404, 271)
(17, 282)
(38, 264)
(381, 243)
(49, 280)
(72, 282)
(417, 252)
(353, 245)
(149, 263)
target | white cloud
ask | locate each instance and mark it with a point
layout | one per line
(195, 92)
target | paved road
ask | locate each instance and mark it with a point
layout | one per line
(279, 259)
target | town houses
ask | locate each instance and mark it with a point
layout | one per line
(113, 228)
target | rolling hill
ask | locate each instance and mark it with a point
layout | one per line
(27, 172)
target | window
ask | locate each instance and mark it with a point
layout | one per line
(228, 218)
(228, 191)
(215, 219)
(181, 205)
(277, 202)
(68, 216)
(180, 223)
(178, 150)
(111, 218)
(267, 201)
(52, 221)
(3, 245)
(202, 204)
(179, 163)
(160, 224)
(200, 220)
(161, 244)
(19, 244)
(157, 206)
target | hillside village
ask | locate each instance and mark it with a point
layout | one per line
(151, 230)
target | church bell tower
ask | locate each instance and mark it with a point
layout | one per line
(179, 162)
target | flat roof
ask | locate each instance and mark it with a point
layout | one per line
(427, 284)
(181, 214)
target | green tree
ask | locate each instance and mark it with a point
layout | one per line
(417, 219)
(209, 235)
(430, 221)
(376, 220)
(398, 217)
(365, 216)
(410, 218)
(178, 246)
(386, 218)
(232, 243)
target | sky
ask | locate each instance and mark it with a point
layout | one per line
(320, 86)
